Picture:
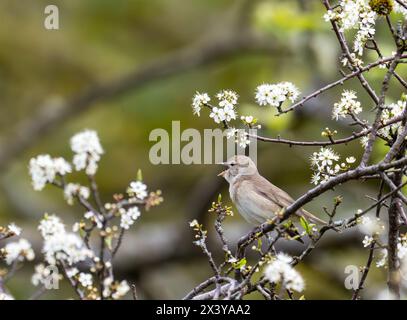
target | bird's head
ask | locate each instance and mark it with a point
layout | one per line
(238, 166)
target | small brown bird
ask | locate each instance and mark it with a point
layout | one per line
(257, 199)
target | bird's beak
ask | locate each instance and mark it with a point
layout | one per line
(222, 174)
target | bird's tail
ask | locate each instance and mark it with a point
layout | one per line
(311, 217)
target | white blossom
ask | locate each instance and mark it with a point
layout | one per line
(402, 256)
(364, 140)
(51, 225)
(325, 165)
(316, 178)
(227, 98)
(225, 111)
(353, 61)
(366, 31)
(330, 15)
(325, 157)
(73, 190)
(247, 119)
(217, 114)
(72, 272)
(229, 113)
(94, 218)
(391, 111)
(348, 105)
(198, 101)
(370, 226)
(290, 90)
(60, 245)
(61, 166)
(269, 94)
(121, 290)
(5, 296)
(351, 159)
(382, 66)
(194, 223)
(67, 247)
(275, 94)
(137, 189)
(43, 169)
(367, 241)
(42, 274)
(16, 230)
(89, 215)
(87, 149)
(383, 259)
(242, 138)
(115, 289)
(85, 279)
(349, 17)
(231, 132)
(280, 270)
(355, 14)
(107, 282)
(402, 247)
(19, 250)
(76, 227)
(128, 217)
(250, 121)
(401, 250)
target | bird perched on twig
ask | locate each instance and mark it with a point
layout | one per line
(257, 199)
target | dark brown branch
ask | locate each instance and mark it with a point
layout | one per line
(341, 81)
(96, 194)
(119, 242)
(393, 234)
(346, 140)
(393, 187)
(400, 2)
(365, 272)
(74, 284)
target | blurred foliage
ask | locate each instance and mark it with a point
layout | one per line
(101, 40)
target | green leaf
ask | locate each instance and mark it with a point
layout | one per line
(306, 226)
(108, 242)
(139, 175)
(288, 224)
(240, 264)
(82, 233)
(219, 198)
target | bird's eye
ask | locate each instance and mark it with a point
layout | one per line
(233, 164)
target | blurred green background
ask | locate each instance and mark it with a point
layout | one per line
(101, 42)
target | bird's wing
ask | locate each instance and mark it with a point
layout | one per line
(278, 196)
(252, 205)
(266, 189)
